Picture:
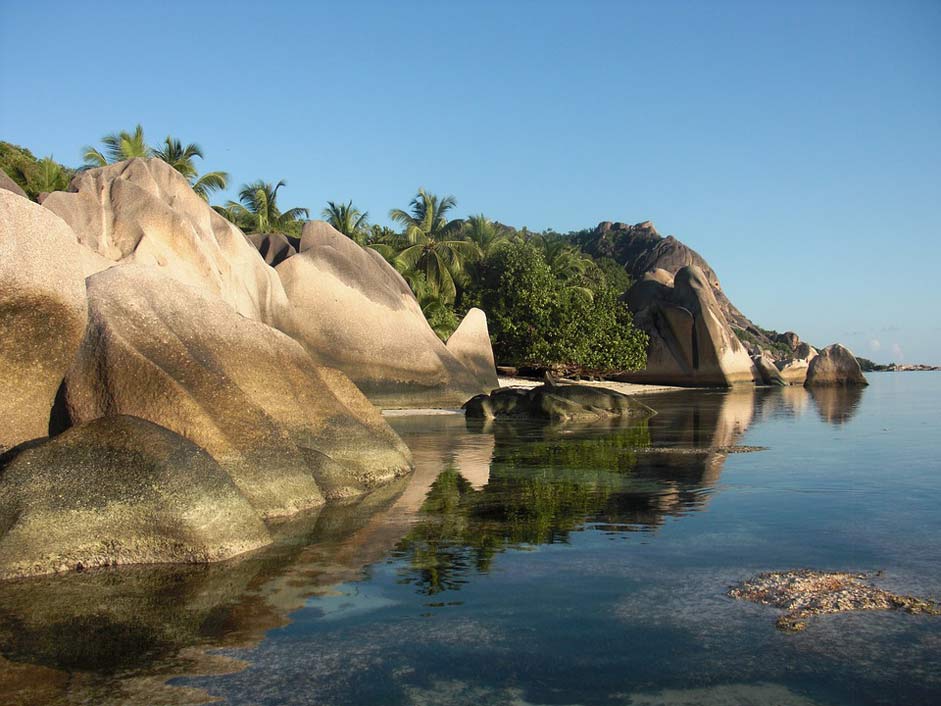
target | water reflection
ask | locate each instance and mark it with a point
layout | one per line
(836, 404)
(117, 636)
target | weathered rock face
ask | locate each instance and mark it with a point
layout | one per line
(690, 340)
(119, 490)
(835, 365)
(42, 314)
(794, 370)
(556, 403)
(770, 375)
(470, 344)
(7, 184)
(288, 431)
(275, 248)
(354, 312)
(641, 249)
(144, 212)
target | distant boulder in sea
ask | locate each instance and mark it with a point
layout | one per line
(835, 365)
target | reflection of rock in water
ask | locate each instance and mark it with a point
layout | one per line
(547, 481)
(789, 401)
(836, 404)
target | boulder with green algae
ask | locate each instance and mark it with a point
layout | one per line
(556, 403)
(119, 490)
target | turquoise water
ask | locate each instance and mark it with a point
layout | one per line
(531, 565)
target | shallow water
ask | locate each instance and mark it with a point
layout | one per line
(532, 565)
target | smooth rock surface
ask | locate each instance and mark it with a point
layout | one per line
(835, 365)
(7, 184)
(353, 311)
(275, 248)
(691, 342)
(470, 344)
(119, 490)
(289, 432)
(143, 211)
(794, 370)
(770, 375)
(42, 314)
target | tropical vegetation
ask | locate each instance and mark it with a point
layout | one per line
(552, 300)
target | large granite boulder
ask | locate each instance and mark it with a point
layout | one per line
(691, 342)
(556, 403)
(119, 490)
(143, 211)
(7, 184)
(353, 311)
(794, 370)
(835, 365)
(470, 344)
(288, 431)
(42, 314)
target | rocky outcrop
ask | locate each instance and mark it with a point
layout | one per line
(288, 432)
(354, 312)
(794, 370)
(770, 375)
(835, 365)
(641, 249)
(556, 403)
(470, 344)
(119, 490)
(144, 212)
(691, 342)
(7, 184)
(42, 314)
(275, 248)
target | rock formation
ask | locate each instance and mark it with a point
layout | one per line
(470, 344)
(144, 212)
(288, 431)
(641, 249)
(691, 342)
(119, 490)
(770, 375)
(42, 314)
(7, 184)
(556, 403)
(835, 365)
(275, 248)
(353, 311)
(794, 370)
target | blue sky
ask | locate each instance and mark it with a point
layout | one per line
(796, 145)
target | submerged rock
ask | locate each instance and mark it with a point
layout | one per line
(804, 593)
(119, 490)
(557, 403)
(835, 365)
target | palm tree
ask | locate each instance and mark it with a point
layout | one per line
(118, 147)
(181, 158)
(44, 176)
(348, 220)
(257, 210)
(486, 234)
(431, 243)
(567, 263)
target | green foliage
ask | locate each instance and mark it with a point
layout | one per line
(34, 176)
(118, 146)
(439, 313)
(257, 210)
(348, 220)
(181, 158)
(541, 316)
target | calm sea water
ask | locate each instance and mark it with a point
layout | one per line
(531, 565)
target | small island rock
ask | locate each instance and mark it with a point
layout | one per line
(835, 365)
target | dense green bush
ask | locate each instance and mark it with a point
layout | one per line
(540, 319)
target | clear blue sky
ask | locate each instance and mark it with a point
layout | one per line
(797, 145)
